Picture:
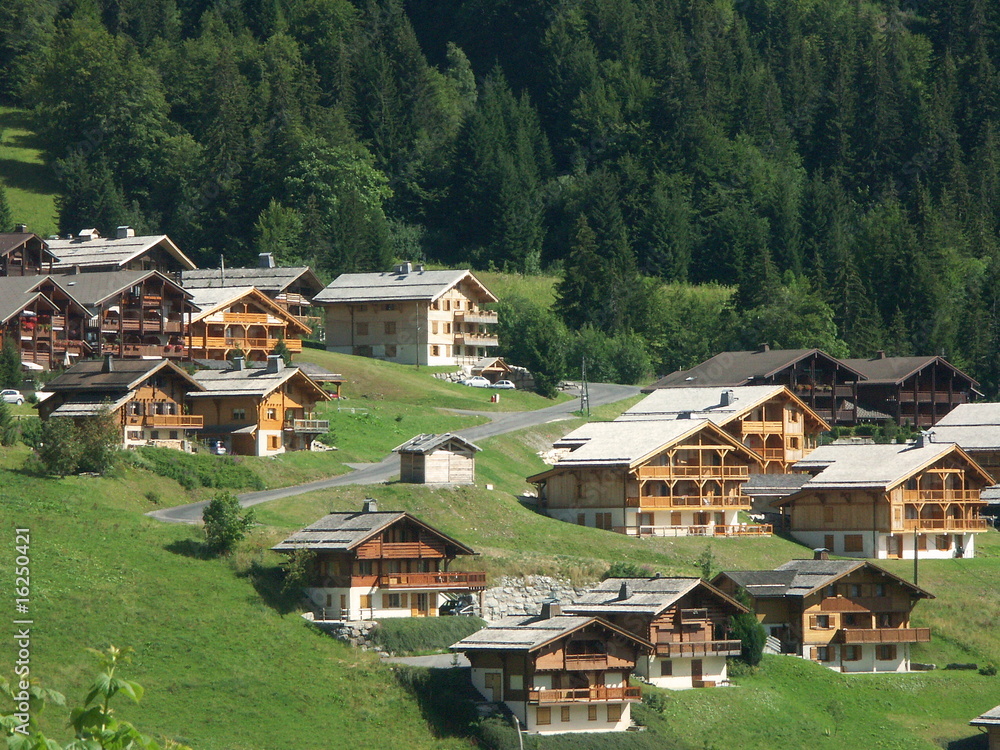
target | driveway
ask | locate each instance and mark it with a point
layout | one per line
(388, 467)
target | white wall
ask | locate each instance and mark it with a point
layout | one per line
(578, 721)
(262, 436)
(713, 670)
(377, 612)
(880, 550)
(867, 663)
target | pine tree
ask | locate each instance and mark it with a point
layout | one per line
(6, 215)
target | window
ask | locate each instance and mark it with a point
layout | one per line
(793, 415)
(793, 443)
(614, 712)
(272, 443)
(173, 434)
(591, 713)
(853, 543)
(364, 567)
(390, 327)
(828, 514)
(830, 590)
(154, 435)
(581, 519)
(922, 542)
(885, 652)
(564, 713)
(390, 350)
(602, 521)
(880, 589)
(666, 668)
(850, 620)
(885, 620)
(366, 601)
(543, 715)
(851, 653)
(272, 413)
(435, 351)
(329, 600)
(942, 541)
(239, 413)
(395, 601)
(854, 589)
(390, 306)
(135, 434)
(434, 326)
(822, 622)
(361, 329)
(458, 304)
(823, 653)
(446, 327)
(447, 304)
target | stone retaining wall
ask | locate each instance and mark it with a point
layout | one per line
(524, 596)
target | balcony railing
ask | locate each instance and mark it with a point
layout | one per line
(473, 581)
(688, 501)
(941, 496)
(700, 530)
(698, 648)
(318, 426)
(698, 472)
(945, 524)
(252, 319)
(479, 339)
(477, 316)
(885, 635)
(762, 428)
(187, 421)
(585, 695)
(230, 342)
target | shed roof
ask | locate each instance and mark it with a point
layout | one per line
(342, 532)
(647, 596)
(102, 251)
(429, 442)
(741, 368)
(392, 286)
(894, 370)
(273, 280)
(798, 578)
(535, 631)
(990, 718)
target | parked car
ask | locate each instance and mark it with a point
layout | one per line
(12, 397)
(477, 381)
(461, 605)
(504, 385)
(217, 447)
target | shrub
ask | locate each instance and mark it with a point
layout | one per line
(407, 635)
(622, 569)
(990, 670)
(226, 523)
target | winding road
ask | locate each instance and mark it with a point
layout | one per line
(388, 467)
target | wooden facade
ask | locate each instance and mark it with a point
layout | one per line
(437, 459)
(382, 565)
(24, 254)
(849, 616)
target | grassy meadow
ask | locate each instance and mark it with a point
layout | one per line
(31, 186)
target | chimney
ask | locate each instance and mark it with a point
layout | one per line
(404, 268)
(419, 268)
(239, 364)
(821, 553)
(108, 365)
(764, 348)
(88, 234)
(370, 505)
(925, 439)
(275, 363)
(124, 232)
(728, 398)
(880, 354)
(551, 608)
(21, 228)
(265, 260)
(625, 591)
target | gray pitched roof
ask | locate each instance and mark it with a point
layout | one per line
(10, 241)
(774, 484)
(102, 251)
(532, 632)
(647, 596)
(16, 293)
(90, 405)
(88, 376)
(211, 299)
(341, 532)
(91, 289)
(971, 415)
(740, 368)
(893, 370)
(250, 382)
(388, 287)
(700, 403)
(990, 718)
(429, 442)
(798, 578)
(272, 280)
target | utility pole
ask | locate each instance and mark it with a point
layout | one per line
(916, 571)
(584, 388)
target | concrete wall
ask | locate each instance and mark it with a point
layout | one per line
(879, 550)
(713, 670)
(868, 662)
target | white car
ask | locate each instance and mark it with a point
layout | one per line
(504, 385)
(477, 381)
(12, 397)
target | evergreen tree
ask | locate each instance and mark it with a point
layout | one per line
(6, 215)
(10, 364)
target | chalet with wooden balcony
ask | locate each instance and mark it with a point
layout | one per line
(410, 316)
(686, 620)
(889, 501)
(24, 253)
(825, 384)
(260, 411)
(37, 322)
(240, 321)
(661, 478)
(989, 722)
(917, 391)
(291, 287)
(768, 419)
(376, 564)
(437, 459)
(88, 252)
(148, 398)
(558, 673)
(975, 428)
(849, 615)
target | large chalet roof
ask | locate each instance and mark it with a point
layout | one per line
(535, 631)
(18, 293)
(271, 280)
(91, 289)
(255, 382)
(90, 376)
(342, 532)
(877, 467)
(770, 485)
(210, 300)
(429, 442)
(647, 596)
(990, 718)
(798, 578)
(392, 286)
(895, 370)
(106, 251)
(972, 426)
(11, 241)
(89, 404)
(742, 368)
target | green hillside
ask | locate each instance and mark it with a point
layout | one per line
(29, 182)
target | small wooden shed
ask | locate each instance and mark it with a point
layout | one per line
(437, 459)
(493, 369)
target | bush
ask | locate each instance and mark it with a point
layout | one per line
(990, 670)
(623, 569)
(226, 523)
(198, 470)
(408, 635)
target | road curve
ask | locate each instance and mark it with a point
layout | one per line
(388, 467)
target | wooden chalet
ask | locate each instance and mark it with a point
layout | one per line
(557, 673)
(88, 252)
(848, 615)
(917, 391)
(825, 384)
(376, 564)
(291, 287)
(685, 619)
(47, 326)
(410, 316)
(240, 320)
(148, 398)
(437, 459)
(260, 411)
(768, 419)
(990, 723)
(976, 429)
(889, 501)
(24, 253)
(493, 369)
(662, 478)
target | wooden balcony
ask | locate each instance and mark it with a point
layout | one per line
(945, 524)
(169, 351)
(478, 339)
(693, 472)
(870, 605)
(927, 397)
(704, 502)
(465, 581)
(720, 530)
(940, 496)
(698, 648)
(183, 421)
(399, 551)
(223, 343)
(762, 428)
(884, 635)
(477, 316)
(585, 695)
(246, 319)
(308, 426)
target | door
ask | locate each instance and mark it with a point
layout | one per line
(828, 541)
(494, 686)
(697, 672)
(421, 605)
(894, 545)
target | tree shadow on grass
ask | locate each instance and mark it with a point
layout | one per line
(191, 548)
(975, 742)
(269, 581)
(445, 696)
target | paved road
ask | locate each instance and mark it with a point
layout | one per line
(388, 467)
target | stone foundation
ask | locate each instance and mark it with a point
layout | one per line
(524, 596)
